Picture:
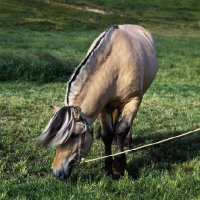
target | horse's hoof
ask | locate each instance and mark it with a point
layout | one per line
(119, 166)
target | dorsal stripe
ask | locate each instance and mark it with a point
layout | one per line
(82, 64)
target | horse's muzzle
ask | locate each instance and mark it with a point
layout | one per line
(64, 172)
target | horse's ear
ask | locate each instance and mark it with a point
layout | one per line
(54, 108)
(77, 112)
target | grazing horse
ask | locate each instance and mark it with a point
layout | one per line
(110, 82)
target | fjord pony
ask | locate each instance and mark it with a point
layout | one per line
(110, 82)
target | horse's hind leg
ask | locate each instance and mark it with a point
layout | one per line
(107, 137)
(122, 130)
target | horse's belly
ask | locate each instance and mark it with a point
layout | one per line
(119, 101)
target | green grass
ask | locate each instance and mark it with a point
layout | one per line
(43, 16)
(40, 35)
(41, 56)
(165, 171)
(39, 49)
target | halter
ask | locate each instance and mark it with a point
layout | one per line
(81, 135)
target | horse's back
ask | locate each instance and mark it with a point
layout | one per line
(137, 32)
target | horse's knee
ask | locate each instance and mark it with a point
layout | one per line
(128, 141)
(124, 134)
(122, 130)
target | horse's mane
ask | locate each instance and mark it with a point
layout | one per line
(80, 74)
(59, 129)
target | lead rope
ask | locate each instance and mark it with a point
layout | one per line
(141, 147)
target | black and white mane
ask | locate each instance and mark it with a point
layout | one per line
(59, 129)
(80, 74)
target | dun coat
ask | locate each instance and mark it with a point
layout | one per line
(109, 84)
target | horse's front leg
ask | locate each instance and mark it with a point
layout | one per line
(107, 137)
(123, 128)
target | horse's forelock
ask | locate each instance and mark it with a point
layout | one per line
(59, 128)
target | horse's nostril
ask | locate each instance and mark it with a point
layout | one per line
(56, 173)
(60, 174)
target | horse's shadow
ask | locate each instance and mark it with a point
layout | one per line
(160, 156)
(164, 155)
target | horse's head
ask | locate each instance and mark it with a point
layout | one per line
(69, 131)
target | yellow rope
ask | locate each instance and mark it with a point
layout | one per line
(141, 147)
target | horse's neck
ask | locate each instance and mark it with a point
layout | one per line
(96, 90)
(91, 85)
(96, 93)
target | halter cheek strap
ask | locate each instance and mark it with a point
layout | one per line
(82, 135)
(80, 147)
(83, 117)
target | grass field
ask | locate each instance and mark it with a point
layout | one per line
(41, 43)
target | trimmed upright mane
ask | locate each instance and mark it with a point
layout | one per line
(80, 74)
